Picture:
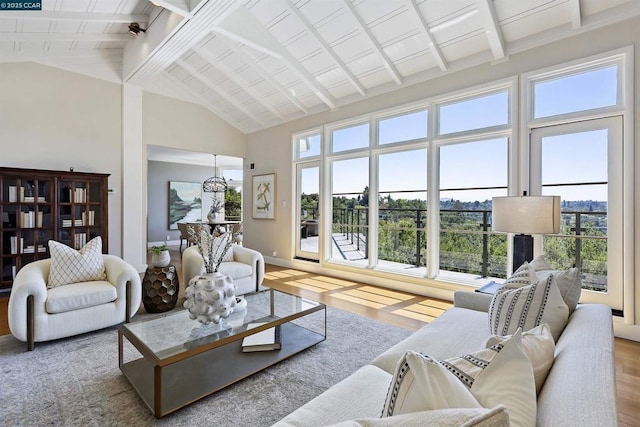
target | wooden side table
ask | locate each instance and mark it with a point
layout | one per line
(160, 288)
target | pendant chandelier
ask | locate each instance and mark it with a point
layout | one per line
(215, 184)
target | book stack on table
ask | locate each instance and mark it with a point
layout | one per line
(490, 288)
(266, 340)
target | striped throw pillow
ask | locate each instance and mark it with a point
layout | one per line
(527, 307)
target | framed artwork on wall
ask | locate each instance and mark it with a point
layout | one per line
(185, 203)
(264, 196)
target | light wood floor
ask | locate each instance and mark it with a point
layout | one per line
(412, 312)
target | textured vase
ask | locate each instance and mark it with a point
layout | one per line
(210, 298)
(162, 259)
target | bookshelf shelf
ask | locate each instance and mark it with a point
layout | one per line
(39, 205)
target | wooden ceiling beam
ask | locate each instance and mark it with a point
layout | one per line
(217, 111)
(215, 88)
(491, 28)
(251, 62)
(366, 32)
(424, 28)
(576, 14)
(113, 18)
(231, 75)
(340, 64)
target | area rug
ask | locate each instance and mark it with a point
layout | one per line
(76, 381)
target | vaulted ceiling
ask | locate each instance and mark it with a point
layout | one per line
(259, 63)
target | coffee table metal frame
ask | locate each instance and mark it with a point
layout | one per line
(170, 377)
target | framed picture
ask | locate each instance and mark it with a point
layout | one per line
(264, 196)
(185, 203)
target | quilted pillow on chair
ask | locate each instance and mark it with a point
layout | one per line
(71, 266)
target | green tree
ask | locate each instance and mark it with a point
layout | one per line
(233, 204)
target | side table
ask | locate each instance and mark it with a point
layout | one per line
(160, 288)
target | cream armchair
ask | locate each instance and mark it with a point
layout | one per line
(40, 314)
(246, 269)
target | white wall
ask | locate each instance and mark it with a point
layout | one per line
(54, 119)
(169, 122)
(271, 149)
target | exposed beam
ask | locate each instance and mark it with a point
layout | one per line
(576, 14)
(220, 113)
(114, 18)
(76, 37)
(245, 41)
(424, 28)
(327, 49)
(179, 7)
(170, 36)
(491, 27)
(223, 93)
(243, 24)
(231, 75)
(264, 74)
(386, 62)
(80, 54)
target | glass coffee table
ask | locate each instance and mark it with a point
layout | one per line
(178, 360)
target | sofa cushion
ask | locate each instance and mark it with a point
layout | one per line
(235, 270)
(79, 295)
(539, 347)
(421, 383)
(442, 338)
(462, 417)
(71, 266)
(360, 394)
(528, 307)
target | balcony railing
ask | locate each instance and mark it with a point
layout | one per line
(468, 245)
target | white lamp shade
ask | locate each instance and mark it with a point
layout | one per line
(526, 214)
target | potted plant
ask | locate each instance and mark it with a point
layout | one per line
(160, 256)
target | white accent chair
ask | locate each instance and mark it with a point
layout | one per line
(40, 314)
(246, 269)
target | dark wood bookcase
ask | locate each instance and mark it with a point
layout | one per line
(40, 205)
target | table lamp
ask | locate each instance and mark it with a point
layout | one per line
(524, 216)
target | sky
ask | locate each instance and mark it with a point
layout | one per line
(567, 158)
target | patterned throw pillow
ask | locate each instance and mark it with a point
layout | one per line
(421, 383)
(71, 266)
(528, 307)
(498, 375)
(523, 276)
(539, 347)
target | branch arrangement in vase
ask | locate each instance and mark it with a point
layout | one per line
(212, 246)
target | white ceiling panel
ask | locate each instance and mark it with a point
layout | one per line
(259, 63)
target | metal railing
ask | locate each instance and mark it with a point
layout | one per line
(467, 243)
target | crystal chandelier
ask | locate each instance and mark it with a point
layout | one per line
(215, 184)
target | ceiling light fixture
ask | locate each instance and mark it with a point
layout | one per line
(134, 28)
(215, 184)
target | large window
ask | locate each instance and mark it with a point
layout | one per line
(578, 91)
(350, 206)
(409, 190)
(402, 209)
(576, 153)
(466, 190)
(474, 113)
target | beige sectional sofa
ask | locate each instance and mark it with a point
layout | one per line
(579, 390)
